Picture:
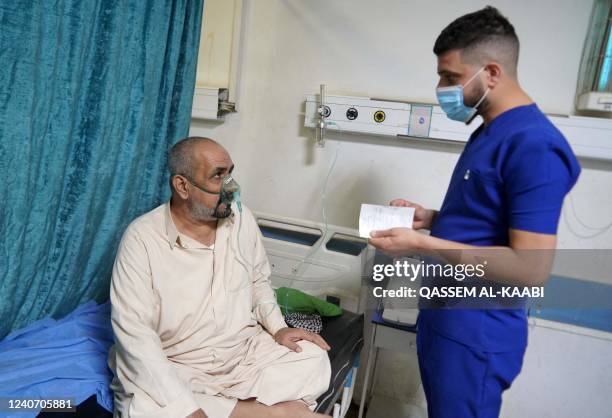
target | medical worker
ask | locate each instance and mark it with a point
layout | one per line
(505, 193)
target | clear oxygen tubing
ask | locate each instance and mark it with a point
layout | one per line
(293, 277)
(235, 245)
(241, 259)
(295, 270)
(597, 231)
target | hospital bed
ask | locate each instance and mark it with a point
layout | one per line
(345, 336)
(328, 262)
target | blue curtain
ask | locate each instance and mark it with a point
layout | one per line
(92, 95)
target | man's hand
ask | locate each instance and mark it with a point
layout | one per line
(397, 242)
(423, 218)
(290, 336)
(197, 414)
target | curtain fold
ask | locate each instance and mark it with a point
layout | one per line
(92, 95)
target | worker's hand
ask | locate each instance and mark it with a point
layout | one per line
(290, 336)
(423, 218)
(197, 414)
(397, 242)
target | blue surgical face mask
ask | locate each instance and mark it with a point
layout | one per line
(451, 101)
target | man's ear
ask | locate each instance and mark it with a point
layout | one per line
(179, 184)
(494, 72)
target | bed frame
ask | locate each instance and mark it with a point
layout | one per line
(327, 262)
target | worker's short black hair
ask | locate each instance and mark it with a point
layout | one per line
(481, 35)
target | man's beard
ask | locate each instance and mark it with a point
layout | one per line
(202, 213)
(475, 98)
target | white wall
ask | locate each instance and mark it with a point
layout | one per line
(567, 373)
(383, 49)
(216, 39)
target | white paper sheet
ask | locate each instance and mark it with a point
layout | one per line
(375, 217)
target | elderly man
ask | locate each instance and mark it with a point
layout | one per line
(198, 332)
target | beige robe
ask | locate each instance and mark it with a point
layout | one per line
(193, 324)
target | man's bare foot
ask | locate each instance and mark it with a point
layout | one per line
(295, 409)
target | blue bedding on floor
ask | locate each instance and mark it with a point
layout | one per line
(66, 358)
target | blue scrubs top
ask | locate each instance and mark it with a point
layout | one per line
(513, 174)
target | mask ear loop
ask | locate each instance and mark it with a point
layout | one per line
(193, 183)
(474, 76)
(475, 107)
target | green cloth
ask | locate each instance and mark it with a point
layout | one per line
(293, 300)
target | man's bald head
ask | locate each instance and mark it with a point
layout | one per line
(198, 167)
(481, 37)
(184, 156)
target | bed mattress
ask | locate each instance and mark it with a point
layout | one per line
(344, 334)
